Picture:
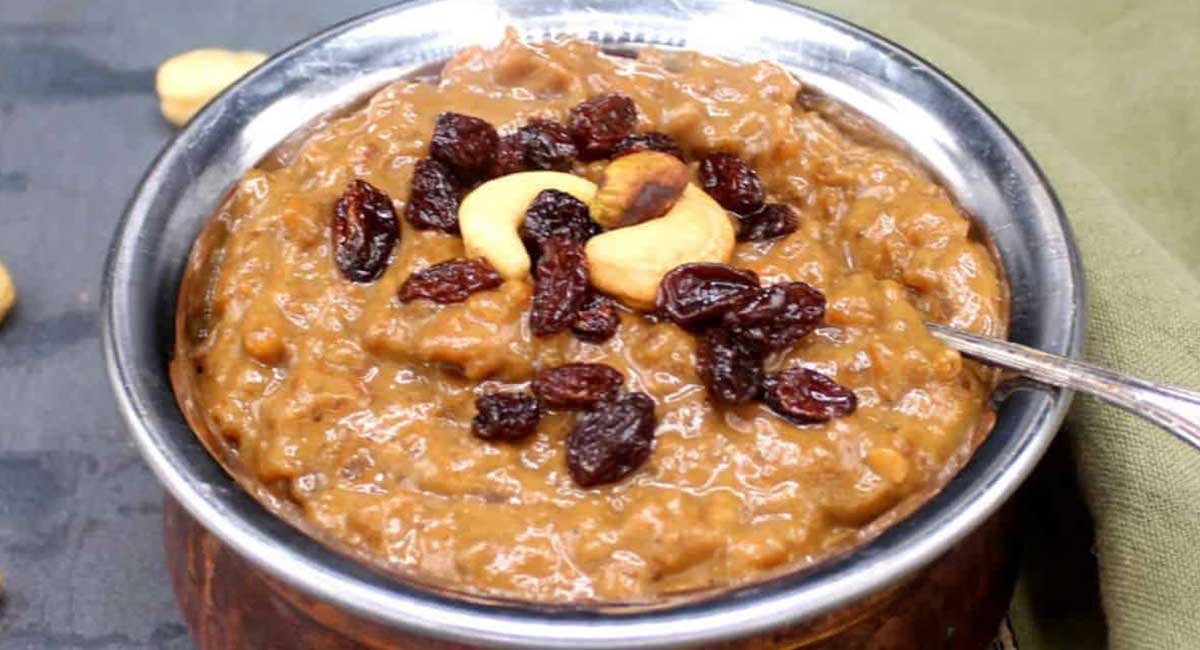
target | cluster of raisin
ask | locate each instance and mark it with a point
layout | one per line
(555, 228)
(557, 225)
(736, 186)
(462, 152)
(740, 322)
(612, 435)
(465, 150)
(364, 228)
(562, 297)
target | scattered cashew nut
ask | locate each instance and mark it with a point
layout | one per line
(638, 187)
(185, 82)
(629, 263)
(489, 216)
(8, 292)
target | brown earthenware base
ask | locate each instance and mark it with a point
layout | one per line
(957, 603)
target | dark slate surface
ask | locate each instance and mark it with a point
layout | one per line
(80, 543)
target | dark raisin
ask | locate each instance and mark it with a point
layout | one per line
(598, 321)
(556, 215)
(612, 440)
(450, 281)
(543, 145)
(560, 286)
(694, 296)
(768, 222)
(364, 231)
(804, 396)
(577, 386)
(599, 123)
(546, 145)
(510, 156)
(733, 183)
(777, 316)
(433, 200)
(505, 416)
(730, 368)
(466, 144)
(653, 141)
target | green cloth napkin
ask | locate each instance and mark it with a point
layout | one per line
(1106, 95)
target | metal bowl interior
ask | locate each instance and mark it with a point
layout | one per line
(976, 158)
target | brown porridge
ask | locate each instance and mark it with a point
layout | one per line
(347, 388)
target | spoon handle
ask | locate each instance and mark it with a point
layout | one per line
(1175, 409)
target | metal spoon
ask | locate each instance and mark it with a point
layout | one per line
(1175, 409)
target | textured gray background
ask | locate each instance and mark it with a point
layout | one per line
(80, 543)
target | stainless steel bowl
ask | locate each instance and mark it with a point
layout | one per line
(982, 164)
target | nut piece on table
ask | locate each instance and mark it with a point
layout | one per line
(185, 82)
(638, 187)
(490, 216)
(629, 263)
(8, 292)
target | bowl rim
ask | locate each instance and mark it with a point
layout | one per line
(253, 532)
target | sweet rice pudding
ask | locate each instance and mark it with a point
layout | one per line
(566, 326)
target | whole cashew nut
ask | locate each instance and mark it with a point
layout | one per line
(629, 263)
(489, 216)
(186, 81)
(8, 292)
(638, 187)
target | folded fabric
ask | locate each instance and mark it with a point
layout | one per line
(1106, 96)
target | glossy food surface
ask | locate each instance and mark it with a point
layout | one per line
(358, 406)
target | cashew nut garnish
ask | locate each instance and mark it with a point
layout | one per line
(637, 188)
(185, 82)
(628, 263)
(491, 214)
(8, 292)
